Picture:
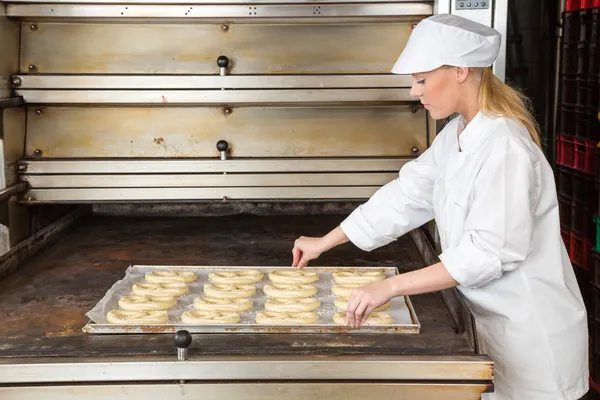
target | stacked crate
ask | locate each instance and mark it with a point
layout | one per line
(578, 157)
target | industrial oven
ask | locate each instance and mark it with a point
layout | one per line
(210, 132)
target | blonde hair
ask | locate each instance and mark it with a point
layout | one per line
(497, 98)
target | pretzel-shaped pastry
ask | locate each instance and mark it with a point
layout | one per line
(227, 291)
(345, 290)
(171, 276)
(286, 318)
(362, 277)
(342, 304)
(160, 289)
(375, 318)
(147, 303)
(281, 290)
(292, 304)
(210, 317)
(293, 276)
(137, 317)
(236, 277)
(205, 303)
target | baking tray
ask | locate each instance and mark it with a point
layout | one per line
(402, 311)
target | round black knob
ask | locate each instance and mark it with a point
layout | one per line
(182, 339)
(222, 62)
(222, 145)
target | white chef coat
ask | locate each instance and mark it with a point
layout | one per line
(493, 196)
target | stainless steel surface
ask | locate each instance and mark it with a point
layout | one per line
(13, 121)
(215, 97)
(10, 191)
(9, 52)
(251, 132)
(196, 194)
(182, 354)
(213, 82)
(200, 166)
(254, 11)
(216, 1)
(405, 318)
(236, 368)
(208, 180)
(289, 49)
(254, 391)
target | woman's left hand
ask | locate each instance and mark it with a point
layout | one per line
(365, 299)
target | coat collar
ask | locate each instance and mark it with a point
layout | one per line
(473, 134)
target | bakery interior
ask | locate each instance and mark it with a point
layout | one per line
(209, 135)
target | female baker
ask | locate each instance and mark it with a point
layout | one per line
(492, 193)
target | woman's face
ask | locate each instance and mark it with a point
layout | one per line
(438, 90)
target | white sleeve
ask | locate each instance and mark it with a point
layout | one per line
(398, 207)
(498, 229)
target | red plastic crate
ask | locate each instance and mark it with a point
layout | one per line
(573, 5)
(565, 151)
(586, 4)
(579, 251)
(585, 156)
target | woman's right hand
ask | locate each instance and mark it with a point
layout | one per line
(306, 249)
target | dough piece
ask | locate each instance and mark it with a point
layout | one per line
(210, 317)
(281, 290)
(362, 277)
(375, 318)
(171, 276)
(293, 276)
(161, 289)
(342, 304)
(205, 303)
(345, 290)
(292, 304)
(139, 317)
(236, 277)
(147, 303)
(226, 291)
(286, 318)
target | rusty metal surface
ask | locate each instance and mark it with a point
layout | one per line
(42, 305)
(250, 132)
(252, 49)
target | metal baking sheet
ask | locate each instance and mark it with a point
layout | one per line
(402, 311)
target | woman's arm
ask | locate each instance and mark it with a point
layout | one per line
(367, 298)
(306, 248)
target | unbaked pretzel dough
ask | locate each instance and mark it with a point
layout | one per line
(160, 289)
(362, 277)
(210, 317)
(205, 303)
(171, 276)
(292, 304)
(236, 277)
(342, 304)
(293, 276)
(375, 318)
(228, 291)
(345, 290)
(137, 317)
(147, 303)
(286, 318)
(281, 290)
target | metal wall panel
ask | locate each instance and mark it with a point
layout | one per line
(194, 48)
(9, 52)
(251, 132)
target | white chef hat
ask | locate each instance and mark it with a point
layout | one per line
(446, 39)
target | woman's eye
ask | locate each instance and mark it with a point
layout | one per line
(422, 81)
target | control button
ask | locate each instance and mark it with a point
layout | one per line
(483, 4)
(468, 4)
(476, 4)
(462, 4)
